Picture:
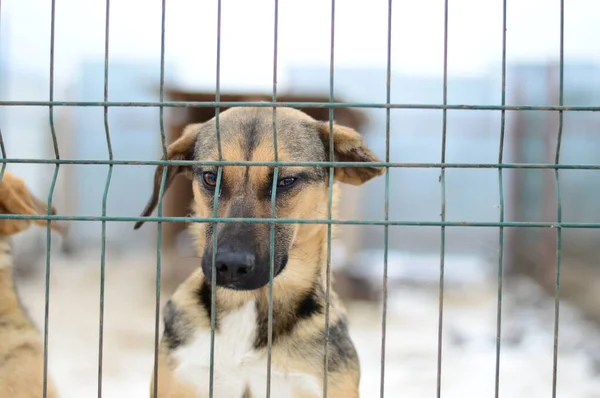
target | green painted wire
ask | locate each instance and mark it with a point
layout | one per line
(273, 206)
(443, 207)
(271, 277)
(3, 152)
(329, 202)
(386, 237)
(479, 224)
(159, 226)
(501, 209)
(189, 163)
(296, 104)
(49, 204)
(2, 147)
(213, 282)
(104, 201)
(558, 201)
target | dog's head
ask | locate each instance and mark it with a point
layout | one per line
(243, 249)
(15, 198)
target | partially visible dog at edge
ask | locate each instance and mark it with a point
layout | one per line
(21, 351)
(243, 261)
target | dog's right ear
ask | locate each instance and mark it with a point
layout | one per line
(181, 149)
(348, 146)
(16, 198)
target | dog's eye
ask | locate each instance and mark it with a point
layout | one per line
(209, 179)
(286, 182)
(283, 184)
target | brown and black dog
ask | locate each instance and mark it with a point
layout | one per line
(243, 261)
(21, 351)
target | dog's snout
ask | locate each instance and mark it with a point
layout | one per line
(232, 265)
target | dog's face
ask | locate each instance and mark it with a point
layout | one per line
(242, 261)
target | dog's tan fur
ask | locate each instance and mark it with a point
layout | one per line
(21, 351)
(301, 348)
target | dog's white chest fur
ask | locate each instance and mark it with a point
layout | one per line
(237, 365)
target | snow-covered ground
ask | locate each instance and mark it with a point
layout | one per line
(469, 336)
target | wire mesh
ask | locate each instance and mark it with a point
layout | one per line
(501, 224)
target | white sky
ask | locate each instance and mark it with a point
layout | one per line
(475, 28)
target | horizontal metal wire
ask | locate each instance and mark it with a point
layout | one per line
(270, 104)
(399, 223)
(308, 164)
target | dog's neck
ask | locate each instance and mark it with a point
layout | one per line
(301, 283)
(299, 292)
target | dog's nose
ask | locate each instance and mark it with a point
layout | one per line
(232, 265)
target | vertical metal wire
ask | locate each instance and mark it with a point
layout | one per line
(2, 148)
(163, 180)
(501, 210)
(273, 205)
(213, 283)
(213, 305)
(3, 151)
(329, 202)
(50, 195)
(104, 200)
(386, 238)
(443, 206)
(558, 199)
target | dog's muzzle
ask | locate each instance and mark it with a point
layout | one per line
(234, 267)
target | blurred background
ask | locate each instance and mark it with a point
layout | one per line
(471, 254)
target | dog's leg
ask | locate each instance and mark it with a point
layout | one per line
(21, 353)
(343, 392)
(343, 384)
(169, 385)
(8, 298)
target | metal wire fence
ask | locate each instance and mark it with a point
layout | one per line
(444, 107)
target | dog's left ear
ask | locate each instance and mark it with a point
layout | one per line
(349, 147)
(181, 149)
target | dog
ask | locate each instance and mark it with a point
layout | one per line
(21, 351)
(243, 261)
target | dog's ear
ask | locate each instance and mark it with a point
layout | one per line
(349, 147)
(15, 198)
(181, 149)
